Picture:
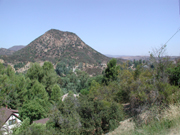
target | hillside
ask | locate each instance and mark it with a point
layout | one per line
(11, 50)
(4, 51)
(57, 46)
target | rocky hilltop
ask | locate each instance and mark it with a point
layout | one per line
(56, 46)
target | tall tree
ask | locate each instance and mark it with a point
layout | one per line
(49, 77)
(61, 69)
(37, 91)
(111, 72)
(174, 75)
(35, 72)
(56, 94)
(32, 110)
(160, 63)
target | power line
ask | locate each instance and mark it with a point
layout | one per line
(176, 31)
(172, 36)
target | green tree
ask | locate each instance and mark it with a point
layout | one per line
(174, 75)
(8, 91)
(84, 92)
(49, 80)
(49, 77)
(47, 66)
(10, 72)
(32, 110)
(61, 69)
(2, 68)
(35, 72)
(24, 125)
(21, 85)
(37, 91)
(33, 129)
(95, 86)
(137, 72)
(160, 64)
(99, 116)
(111, 72)
(65, 117)
(56, 94)
(83, 80)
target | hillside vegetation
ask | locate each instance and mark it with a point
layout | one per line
(59, 46)
(38, 94)
(4, 51)
(11, 50)
(141, 94)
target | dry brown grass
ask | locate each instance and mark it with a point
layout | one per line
(125, 127)
(172, 113)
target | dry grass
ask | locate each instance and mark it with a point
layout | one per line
(174, 131)
(125, 127)
(170, 114)
(173, 114)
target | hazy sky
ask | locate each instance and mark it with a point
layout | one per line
(118, 27)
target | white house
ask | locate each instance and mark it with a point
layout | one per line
(8, 119)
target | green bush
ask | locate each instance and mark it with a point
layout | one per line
(84, 92)
(19, 65)
(174, 75)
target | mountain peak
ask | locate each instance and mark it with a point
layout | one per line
(55, 46)
(56, 31)
(52, 30)
(57, 38)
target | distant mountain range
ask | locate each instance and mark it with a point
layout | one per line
(11, 50)
(17, 47)
(113, 56)
(128, 57)
(59, 46)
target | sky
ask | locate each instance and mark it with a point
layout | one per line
(116, 27)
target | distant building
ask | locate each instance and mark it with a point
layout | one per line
(8, 119)
(66, 95)
(145, 66)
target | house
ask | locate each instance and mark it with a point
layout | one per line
(9, 118)
(42, 121)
